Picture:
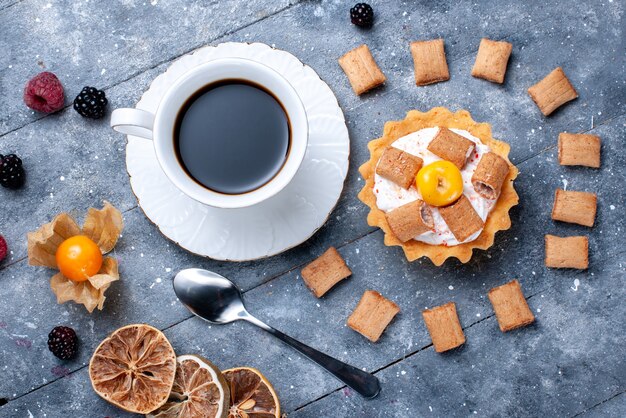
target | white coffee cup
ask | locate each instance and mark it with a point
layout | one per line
(160, 127)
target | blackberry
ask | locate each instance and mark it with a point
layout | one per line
(362, 15)
(91, 103)
(63, 342)
(12, 173)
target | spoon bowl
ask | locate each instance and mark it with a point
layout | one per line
(209, 295)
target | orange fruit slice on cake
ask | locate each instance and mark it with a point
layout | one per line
(251, 394)
(134, 368)
(199, 390)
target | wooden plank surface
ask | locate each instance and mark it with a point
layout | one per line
(570, 362)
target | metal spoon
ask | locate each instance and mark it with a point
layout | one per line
(216, 299)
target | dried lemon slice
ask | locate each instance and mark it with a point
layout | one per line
(134, 368)
(251, 395)
(199, 390)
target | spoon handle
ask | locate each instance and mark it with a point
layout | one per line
(366, 384)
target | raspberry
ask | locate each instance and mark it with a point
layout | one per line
(11, 172)
(4, 249)
(362, 15)
(91, 103)
(63, 342)
(44, 93)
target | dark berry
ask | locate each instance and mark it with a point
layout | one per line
(12, 173)
(63, 342)
(44, 93)
(4, 249)
(91, 103)
(362, 15)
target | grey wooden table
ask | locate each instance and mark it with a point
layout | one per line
(571, 362)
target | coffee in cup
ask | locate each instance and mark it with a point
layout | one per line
(232, 136)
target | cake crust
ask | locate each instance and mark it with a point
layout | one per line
(498, 219)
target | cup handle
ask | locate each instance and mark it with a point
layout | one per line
(136, 122)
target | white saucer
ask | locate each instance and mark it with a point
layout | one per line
(272, 226)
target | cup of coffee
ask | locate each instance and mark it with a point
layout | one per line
(229, 133)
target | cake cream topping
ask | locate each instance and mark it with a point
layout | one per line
(390, 196)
